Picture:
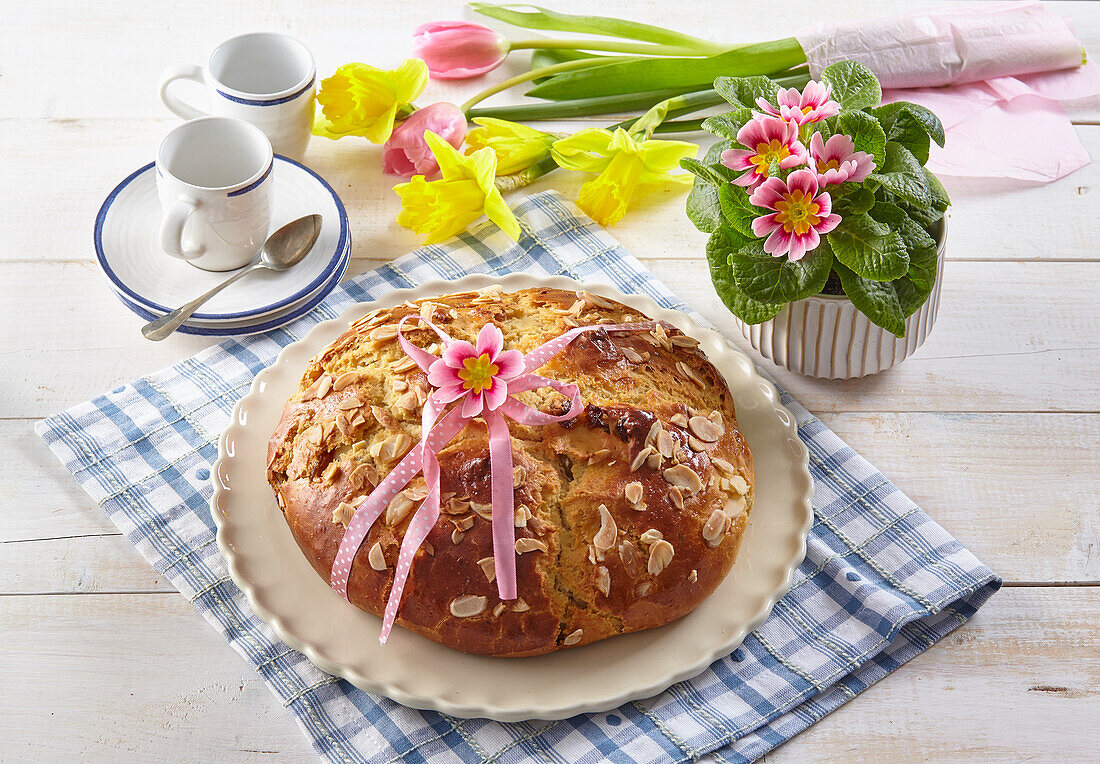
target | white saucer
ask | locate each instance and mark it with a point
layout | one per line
(126, 242)
(256, 324)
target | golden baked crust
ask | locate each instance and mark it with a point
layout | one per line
(633, 510)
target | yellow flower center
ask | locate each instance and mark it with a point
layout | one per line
(478, 374)
(797, 212)
(832, 164)
(806, 110)
(766, 152)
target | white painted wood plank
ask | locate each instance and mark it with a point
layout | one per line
(1022, 491)
(1010, 337)
(131, 678)
(144, 677)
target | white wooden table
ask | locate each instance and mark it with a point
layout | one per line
(992, 427)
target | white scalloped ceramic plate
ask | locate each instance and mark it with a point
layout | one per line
(285, 591)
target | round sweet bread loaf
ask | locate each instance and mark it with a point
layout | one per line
(627, 516)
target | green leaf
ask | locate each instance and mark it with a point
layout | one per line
(580, 107)
(724, 242)
(855, 86)
(919, 244)
(865, 131)
(743, 91)
(777, 279)
(878, 300)
(534, 17)
(727, 125)
(922, 115)
(854, 202)
(901, 174)
(703, 208)
(869, 248)
(687, 73)
(704, 171)
(737, 210)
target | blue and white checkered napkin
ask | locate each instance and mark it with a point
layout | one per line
(881, 581)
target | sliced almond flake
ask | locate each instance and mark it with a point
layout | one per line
(349, 403)
(633, 492)
(416, 493)
(521, 606)
(404, 365)
(676, 496)
(679, 420)
(699, 445)
(398, 509)
(410, 304)
(408, 401)
(660, 555)
(280, 501)
(358, 420)
(330, 472)
(597, 301)
(525, 545)
(735, 507)
(468, 605)
(538, 525)
(519, 475)
(395, 446)
(739, 484)
(375, 557)
(714, 530)
(684, 369)
(631, 354)
(489, 568)
(523, 515)
(603, 581)
(484, 511)
(315, 434)
(654, 460)
(428, 549)
(576, 307)
(605, 537)
(457, 536)
(464, 523)
(499, 609)
(643, 589)
(427, 310)
(693, 576)
(324, 385)
(640, 459)
(343, 513)
(345, 379)
(375, 449)
(343, 425)
(570, 322)
(628, 553)
(654, 429)
(684, 341)
(384, 417)
(651, 536)
(683, 476)
(456, 506)
(716, 417)
(665, 444)
(573, 638)
(592, 554)
(705, 429)
(383, 333)
(723, 466)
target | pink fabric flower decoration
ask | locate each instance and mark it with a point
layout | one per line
(837, 161)
(801, 214)
(480, 374)
(406, 153)
(767, 139)
(457, 50)
(813, 104)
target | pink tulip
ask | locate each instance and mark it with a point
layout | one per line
(837, 161)
(406, 153)
(766, 138)
(813, 104)
(801, 214)
(457, 50)
(479, 374)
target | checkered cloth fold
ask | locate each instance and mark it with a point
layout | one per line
(881, 581)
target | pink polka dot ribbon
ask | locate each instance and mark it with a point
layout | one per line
(436, 433)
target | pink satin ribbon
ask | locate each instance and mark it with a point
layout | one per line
(436, 433)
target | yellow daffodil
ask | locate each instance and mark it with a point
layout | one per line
(622, 161)
(516, 146)
(441, 208)
(362, 100)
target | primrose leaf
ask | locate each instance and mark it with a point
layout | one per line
(737, 210)
(854, 86)
(855, 202)
(722, 243)
(743, 91)
(869, 248)
(901, 174)
(704, 171)
(703, 209)
(778, 279)
(922, 115)
(727, 125)
(903, 127)
(878, 300)
(864, 130)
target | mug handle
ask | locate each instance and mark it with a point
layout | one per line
(177, 106)
(171, 231)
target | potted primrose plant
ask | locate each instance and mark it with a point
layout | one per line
(826, 230)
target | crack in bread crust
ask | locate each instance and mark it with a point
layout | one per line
(658, 417)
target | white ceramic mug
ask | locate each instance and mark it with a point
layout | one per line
(265, 78)
(214, 183)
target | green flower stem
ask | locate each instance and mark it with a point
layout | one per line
(644, 49)
(544, 71)
(679, 126)
(582, 107)
(506, 183)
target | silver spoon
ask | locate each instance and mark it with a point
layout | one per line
(283, 249)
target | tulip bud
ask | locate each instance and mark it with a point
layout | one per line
(406, 153)
(457, 50)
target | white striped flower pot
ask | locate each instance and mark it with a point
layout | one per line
(825, 336)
